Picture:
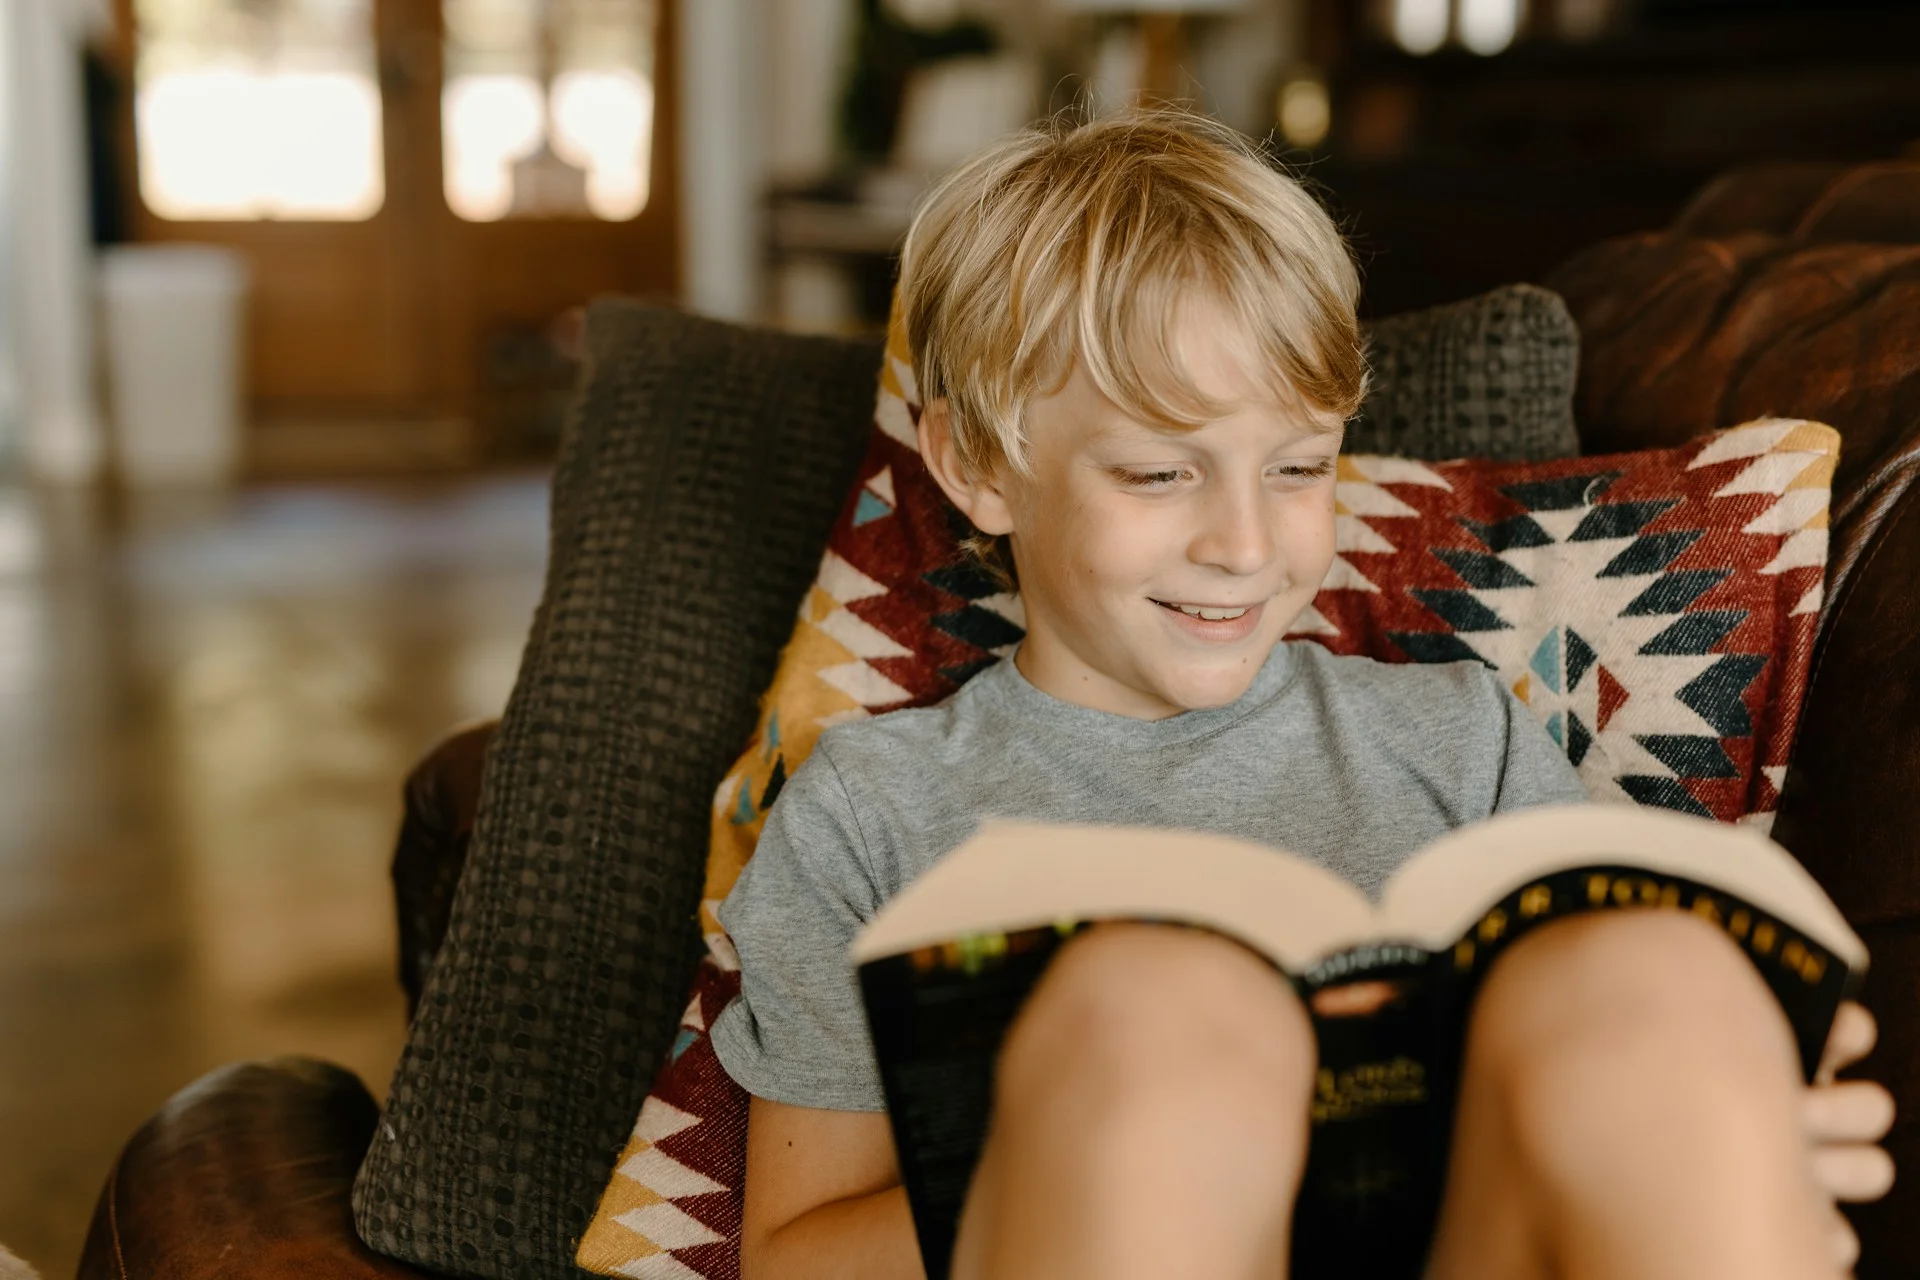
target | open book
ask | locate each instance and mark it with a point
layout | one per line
(946, 965)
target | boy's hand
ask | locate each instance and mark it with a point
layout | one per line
(1845, 1121)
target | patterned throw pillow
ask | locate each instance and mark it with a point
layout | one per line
(1655, 610)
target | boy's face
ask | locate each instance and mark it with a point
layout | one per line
(1158, 568)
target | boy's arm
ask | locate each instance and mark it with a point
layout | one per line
(822, 1190)
(823, 1198)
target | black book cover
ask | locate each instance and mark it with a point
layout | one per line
(1391, 1021)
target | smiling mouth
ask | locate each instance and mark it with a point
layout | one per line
(1207, 613)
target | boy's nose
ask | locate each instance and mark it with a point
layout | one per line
(1236, 534)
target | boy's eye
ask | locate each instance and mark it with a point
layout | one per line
(1149, 479)
(1317, 470)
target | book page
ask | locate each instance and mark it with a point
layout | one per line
(1436, 898)
(1014, 876)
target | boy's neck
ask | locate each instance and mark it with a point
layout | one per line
(1074, 682)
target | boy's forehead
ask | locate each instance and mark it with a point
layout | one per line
(1297, 423)
(1203, 350)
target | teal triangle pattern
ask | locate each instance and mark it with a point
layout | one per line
(1546, 663)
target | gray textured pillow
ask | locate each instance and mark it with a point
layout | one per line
(1490, 377)
(699, 478)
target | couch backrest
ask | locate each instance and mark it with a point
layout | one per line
(1681, 333)
(1795, 290)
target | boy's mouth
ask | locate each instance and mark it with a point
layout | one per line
(1213, 623)
(1210, 613)
(1206, 612)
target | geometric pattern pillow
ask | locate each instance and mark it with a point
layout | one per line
(1655, 611)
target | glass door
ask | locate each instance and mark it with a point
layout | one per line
(547, 108)
(269, 126)
(420, 188)
(555, 175)
(245, 111)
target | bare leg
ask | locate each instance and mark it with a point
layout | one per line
(1631, 1108)
(1150, 1117)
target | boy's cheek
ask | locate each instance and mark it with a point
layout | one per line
(1309, 542)
(1120, 544)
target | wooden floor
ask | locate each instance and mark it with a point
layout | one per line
(206, 709)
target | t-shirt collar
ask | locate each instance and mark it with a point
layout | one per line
(1005, 681)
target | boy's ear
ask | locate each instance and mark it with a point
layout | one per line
(981, 499)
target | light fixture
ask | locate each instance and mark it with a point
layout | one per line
(1488, 26)
(1420, 26)
(1304, 111)
(1149, 6)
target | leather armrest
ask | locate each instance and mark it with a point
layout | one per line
(247, 1172)
(243, 1175)
(442, 798)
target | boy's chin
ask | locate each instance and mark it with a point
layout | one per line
(1192, 690)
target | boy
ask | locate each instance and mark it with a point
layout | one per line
(1137, 347)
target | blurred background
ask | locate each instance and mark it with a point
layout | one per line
(292, 297)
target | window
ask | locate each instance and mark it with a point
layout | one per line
(248, 109)
(547, 109)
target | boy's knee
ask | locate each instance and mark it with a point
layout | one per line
(1609, 1009)
(1633, 968)
(1131, 1019)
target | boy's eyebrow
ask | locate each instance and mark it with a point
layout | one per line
(1312, 427)
(1312, 422)
(1129, 434)
(1120, 427)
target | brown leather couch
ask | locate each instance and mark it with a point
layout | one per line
(1787, 290)
(1795, 290)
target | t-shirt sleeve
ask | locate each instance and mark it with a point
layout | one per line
(797, 1033)
(1536, 770)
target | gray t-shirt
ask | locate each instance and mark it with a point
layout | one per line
(1350, 762)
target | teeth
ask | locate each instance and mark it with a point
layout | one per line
(1211, 615)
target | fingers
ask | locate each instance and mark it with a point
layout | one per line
(1853, 1173)
(1853, 1111)
(1844, 1243)
(1852, 1038)
(1843, 1121)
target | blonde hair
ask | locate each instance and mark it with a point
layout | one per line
(1074, 242)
